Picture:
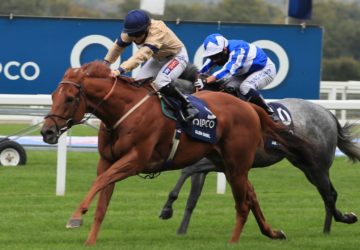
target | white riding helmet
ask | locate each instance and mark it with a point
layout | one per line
(214, 44)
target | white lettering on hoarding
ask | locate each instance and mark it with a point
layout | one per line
(85, 42)
(13, 70)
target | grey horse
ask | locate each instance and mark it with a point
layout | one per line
(312, 122)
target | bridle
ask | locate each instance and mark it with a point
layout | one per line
(71, 122)
(81, 94)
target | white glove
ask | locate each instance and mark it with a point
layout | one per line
(115, 73)
(199, 83)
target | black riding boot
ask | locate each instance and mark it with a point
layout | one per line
(190, 111)
(255, 97)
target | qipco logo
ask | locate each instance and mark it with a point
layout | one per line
(86, 41)
(14, 70)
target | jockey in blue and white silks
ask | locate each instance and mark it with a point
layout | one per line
(245, 68)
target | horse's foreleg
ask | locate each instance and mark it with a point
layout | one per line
(102, 204)
(105, 196)
(120, 170)
(259, 216)
(238, 185)
(202, 166)
(197, 183)
(167, 210)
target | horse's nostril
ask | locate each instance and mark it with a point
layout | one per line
(49, 132)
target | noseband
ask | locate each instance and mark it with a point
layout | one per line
(69, 121)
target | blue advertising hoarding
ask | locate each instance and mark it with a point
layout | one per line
(35, 52)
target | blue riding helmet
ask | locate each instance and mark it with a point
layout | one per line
(136, 21)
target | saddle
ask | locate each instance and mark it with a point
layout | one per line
(202, 127)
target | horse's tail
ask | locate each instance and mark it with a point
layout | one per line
(291, 144)
(346, 142)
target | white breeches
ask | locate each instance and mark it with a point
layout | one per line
(164, 71)
(257, 80)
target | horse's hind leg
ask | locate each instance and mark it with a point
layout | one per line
(260, 219)
(348, 218)
(321, 180)
(197, 183)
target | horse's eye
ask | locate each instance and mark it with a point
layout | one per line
(69, 99)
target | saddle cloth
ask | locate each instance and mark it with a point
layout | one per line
(286, 118)
(202, 127)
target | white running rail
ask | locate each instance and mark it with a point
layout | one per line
(329, 91)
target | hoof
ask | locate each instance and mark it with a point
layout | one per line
(181, 231)
(166, 213)
(350, 218)
(74, 223)
(90, 243)
(280, 235)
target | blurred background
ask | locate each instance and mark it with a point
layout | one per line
(340, 19)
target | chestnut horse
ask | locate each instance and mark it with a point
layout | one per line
(135, 137)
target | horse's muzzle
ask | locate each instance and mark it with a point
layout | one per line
(50, 134)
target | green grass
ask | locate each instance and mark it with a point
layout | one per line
(32, 217)
(22, 128)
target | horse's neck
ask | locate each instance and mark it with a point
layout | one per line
(119, 98)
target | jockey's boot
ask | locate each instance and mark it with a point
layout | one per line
(188, 110)
(255, 97)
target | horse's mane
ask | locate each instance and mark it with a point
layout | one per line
(96, 69)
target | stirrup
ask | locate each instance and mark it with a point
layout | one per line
(275, 117)
(191, 113)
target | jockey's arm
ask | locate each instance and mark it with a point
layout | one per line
(211, 79)
(113, 53)
(142, 55)
(117, 48)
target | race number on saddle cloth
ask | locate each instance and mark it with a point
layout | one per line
(285, 118)
(202, 127)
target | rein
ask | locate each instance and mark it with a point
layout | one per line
(70, 121)
(133, 109)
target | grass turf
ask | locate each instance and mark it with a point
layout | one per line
(32, 217)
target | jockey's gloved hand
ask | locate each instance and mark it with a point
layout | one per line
(106, 63)
(200, 83)
(117, 72)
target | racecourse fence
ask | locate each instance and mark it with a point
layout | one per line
(342, 98)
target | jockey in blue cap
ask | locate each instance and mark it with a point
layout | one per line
(163, 54)
(245, 68)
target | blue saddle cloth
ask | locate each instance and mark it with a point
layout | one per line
(202, 127)
(286, 118)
